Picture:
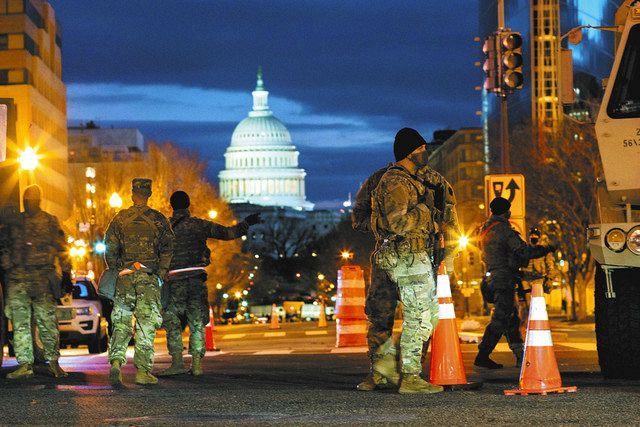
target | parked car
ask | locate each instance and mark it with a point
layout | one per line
(85, 321)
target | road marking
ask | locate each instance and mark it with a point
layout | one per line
(274, 334)
(349, 350)
(272, 352)
(233, 336)
(316, 333)
(585, 346)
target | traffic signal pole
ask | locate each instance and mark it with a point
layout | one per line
(505, 155)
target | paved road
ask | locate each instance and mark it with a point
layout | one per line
(299, 378)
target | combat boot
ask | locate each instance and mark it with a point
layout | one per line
(483, 361)
(145, 378)
(387, 366)
(176, 368)
(412, 384)
(115, 376)
(373, 381)
(196, 367)
(56, 370)
(25, 370)
(519, 353)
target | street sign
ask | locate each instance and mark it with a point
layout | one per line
(512, 188)
(509, 186)
(3, 132)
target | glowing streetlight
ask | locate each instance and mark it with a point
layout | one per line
(463, 242)
(238, 295)
(346, 255)
(219, 286)
(213, 214)
(90, 172)
(28, 159)
(320, 276)
(100, 248)
(245, 292)
(225, 295)
(115, 201)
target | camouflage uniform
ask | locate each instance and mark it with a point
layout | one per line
(504, 251)
(187, 289)
(33, 284)
(137, 234)
(403, 216)
(382, 295)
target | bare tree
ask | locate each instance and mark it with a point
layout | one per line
(562, 174)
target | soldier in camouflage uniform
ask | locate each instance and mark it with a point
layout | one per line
(186, 280)
(405, 217)
(382, 295)
(139, 245)
(504, 253)
(34, 243)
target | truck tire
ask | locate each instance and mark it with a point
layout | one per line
(618, 323)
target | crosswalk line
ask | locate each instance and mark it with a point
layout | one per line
(584, 346)
(272, 352)
(274, 334)
(343, 350)
(233, 336)
(316, 333)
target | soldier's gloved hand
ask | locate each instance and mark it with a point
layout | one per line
(253, 219)
(66, 284)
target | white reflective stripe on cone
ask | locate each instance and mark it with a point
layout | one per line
(446, 311)
(443, 289)
(352, 283)
(352, 329)
(538, 309)
(350, 301)
(539, 339)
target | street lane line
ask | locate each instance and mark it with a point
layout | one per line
(272, 352)
(274, 334)
(349, 350)
(233, 336)
(316, 333)
(585, 346)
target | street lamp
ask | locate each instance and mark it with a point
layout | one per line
(28, 159)
(213, 214)
(115, 201)
(346, 255)
(463, 242)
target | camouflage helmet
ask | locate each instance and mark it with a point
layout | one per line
(141, 187)
(32, 192)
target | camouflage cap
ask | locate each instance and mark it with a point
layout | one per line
(141, 186)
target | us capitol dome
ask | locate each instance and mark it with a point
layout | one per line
(261, 164)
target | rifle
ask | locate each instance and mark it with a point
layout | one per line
(437, 238)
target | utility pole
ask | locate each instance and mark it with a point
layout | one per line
(505, 154)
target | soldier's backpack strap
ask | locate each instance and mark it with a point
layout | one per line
(174, 222)
(135, 215)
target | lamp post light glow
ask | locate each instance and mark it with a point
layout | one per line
(320, 276)
(28, 159)
(213, 214)
(463, 242)
(346, 255)
(238, 295)
(115, 201)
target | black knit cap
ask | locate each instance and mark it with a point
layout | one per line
(499, 205)
(406, 141)
(180, 200)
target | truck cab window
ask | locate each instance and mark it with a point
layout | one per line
(625, 96)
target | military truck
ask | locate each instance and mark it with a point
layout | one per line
(615, 241)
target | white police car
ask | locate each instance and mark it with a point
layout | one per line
(84, 321)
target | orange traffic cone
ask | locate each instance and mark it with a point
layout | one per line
(447, 367)
(275, 318)
(322, 318)
(539, 373)
(209, 342)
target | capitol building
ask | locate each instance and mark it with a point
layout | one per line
(261, 163)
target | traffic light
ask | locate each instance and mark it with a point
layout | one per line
(490, 67)
(510, 55)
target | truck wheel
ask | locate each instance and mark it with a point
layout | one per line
(618, 323)
(98, 343)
